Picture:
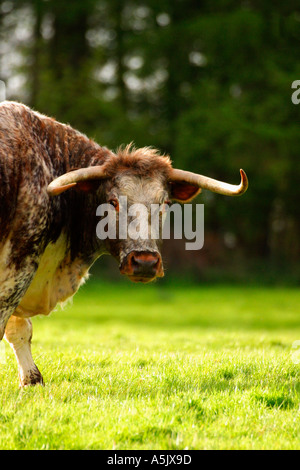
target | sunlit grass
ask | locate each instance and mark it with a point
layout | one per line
(158, 367)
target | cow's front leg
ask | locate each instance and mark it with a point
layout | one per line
(18, 334)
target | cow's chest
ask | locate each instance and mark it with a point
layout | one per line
(57, 278)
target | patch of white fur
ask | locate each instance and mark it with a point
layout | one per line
(55, 282)
(142, 190)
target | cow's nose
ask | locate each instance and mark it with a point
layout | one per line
(142, 265)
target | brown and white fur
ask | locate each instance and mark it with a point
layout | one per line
(47, 244)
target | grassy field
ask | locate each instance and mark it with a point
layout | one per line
(158, 367)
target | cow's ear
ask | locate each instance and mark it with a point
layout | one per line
(87, 186)
(80, 186)
(183, 192)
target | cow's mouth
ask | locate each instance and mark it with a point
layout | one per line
(143, 279)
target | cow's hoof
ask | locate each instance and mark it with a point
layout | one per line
(34, 377)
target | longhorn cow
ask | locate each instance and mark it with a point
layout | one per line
(53, 178)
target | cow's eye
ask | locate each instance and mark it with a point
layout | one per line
(114, 203)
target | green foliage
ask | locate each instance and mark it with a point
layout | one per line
(207, 82)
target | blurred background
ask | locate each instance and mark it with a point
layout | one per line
(207, 82)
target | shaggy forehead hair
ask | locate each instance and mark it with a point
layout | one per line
(145, 162)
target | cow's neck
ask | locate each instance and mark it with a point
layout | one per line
(75, 211)
(68, 149)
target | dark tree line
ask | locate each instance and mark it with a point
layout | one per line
(208, 82)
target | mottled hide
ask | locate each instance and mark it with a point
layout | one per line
(47, 244)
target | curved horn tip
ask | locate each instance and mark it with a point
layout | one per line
(244, 181)
(56, 190)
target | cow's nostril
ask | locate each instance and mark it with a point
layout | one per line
(135, 261)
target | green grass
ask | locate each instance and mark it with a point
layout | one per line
(160, 367)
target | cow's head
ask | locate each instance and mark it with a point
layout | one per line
(139, 176)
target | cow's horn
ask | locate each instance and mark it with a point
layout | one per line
(68, 180)
(211, 184)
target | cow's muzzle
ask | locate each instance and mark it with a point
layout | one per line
(142, 266)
